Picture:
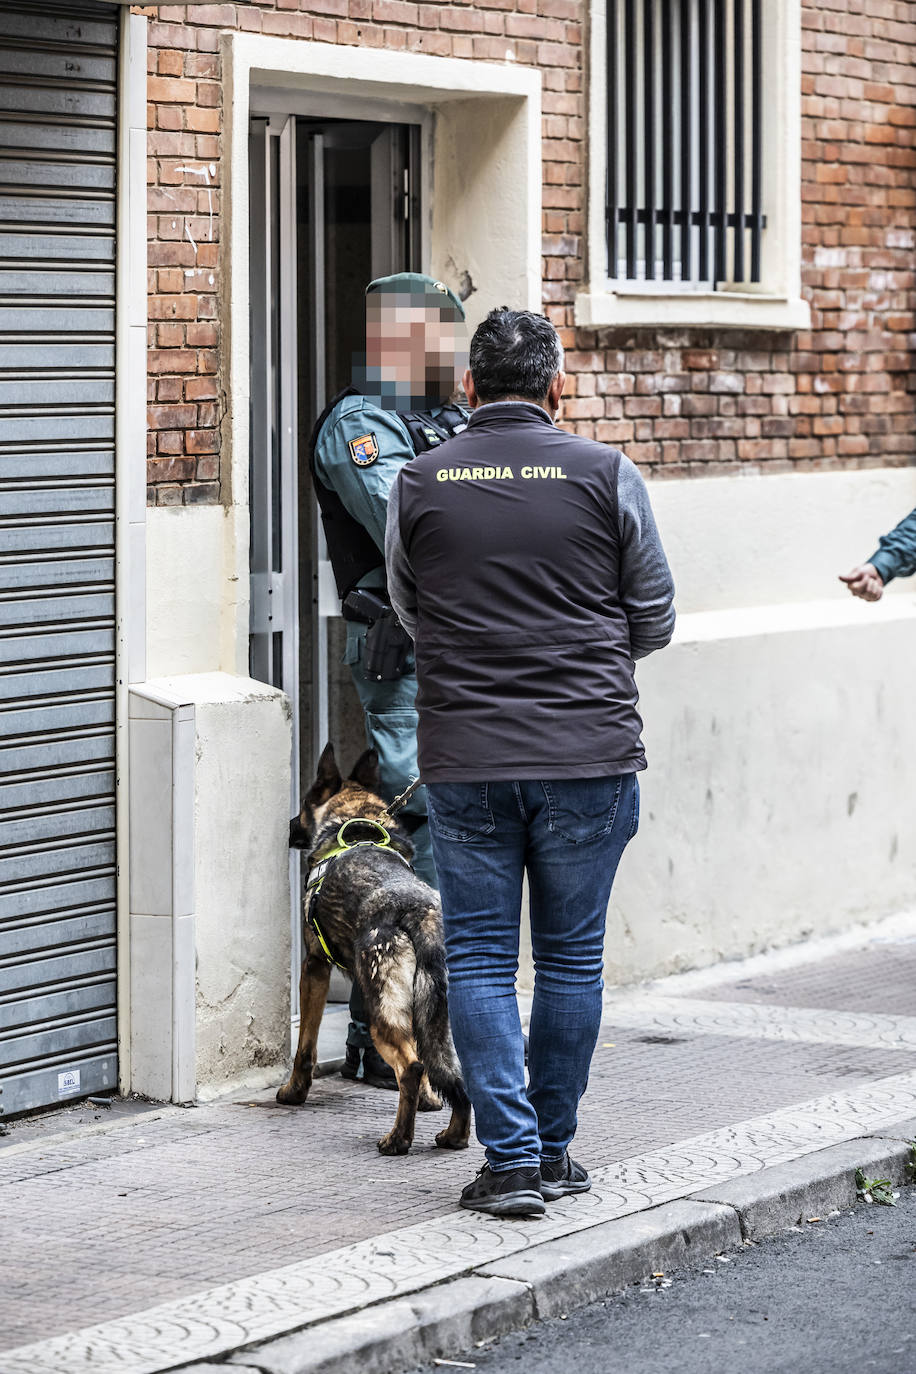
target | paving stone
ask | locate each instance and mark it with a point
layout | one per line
(787, 1194)
(880, 977)
(903, 1130)
(210, 1368)
(398, 1335)
(181, 1201)
(577, 1269)
(162, 1208)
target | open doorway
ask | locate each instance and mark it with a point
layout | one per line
(333, 204)
(359, 219)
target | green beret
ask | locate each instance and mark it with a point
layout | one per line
(417, 285)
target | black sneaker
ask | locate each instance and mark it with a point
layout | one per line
(351, 1063)
(560, 1177)
(513, 1193)
(376, 1072)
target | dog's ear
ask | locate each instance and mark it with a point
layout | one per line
(366, 771)
(409, 822)
(328, 779)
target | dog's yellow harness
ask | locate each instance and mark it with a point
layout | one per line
(319, 870)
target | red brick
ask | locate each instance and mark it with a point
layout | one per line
(175, 307)
(698, 401)
(171, 469)
(223, 16)
(201, 441)
(202, 335)
(207, 469)
(170, 90)
(201, 494)
(202, 121)
(204, 65)
(167, 389)
(172, 417)
(171, 360)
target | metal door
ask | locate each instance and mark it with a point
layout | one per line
(299, 305)
(58, 108)
(274, 618)
(380, 163)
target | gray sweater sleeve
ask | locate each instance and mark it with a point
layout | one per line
(646, 584)
(401, 585)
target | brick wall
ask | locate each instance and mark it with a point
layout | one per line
(679, 402)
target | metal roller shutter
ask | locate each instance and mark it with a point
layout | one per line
(58, 130)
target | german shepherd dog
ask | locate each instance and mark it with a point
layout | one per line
(383, 927)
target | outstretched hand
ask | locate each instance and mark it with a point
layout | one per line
(864, 581)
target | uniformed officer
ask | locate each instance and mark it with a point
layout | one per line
(399, 406)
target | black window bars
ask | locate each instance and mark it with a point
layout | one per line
(685, 136)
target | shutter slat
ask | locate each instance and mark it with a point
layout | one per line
(58, 127)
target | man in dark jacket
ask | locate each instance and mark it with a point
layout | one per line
(895, 557)
(525, 563)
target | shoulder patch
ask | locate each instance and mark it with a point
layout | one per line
(364, 450)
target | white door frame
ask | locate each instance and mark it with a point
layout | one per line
(485, 143)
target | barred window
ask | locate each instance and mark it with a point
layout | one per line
(685, 196)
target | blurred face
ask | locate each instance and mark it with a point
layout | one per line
(414, 356)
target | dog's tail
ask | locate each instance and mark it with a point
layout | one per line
(432, 1031)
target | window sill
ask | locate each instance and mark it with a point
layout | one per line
(632, 308)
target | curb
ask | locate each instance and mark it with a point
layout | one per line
(552, 1278)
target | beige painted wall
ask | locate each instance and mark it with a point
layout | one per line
(757, 541)
(193, 590)
(778, 799)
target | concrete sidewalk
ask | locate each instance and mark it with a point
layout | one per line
(723, 1104)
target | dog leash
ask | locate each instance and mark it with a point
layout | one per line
(401, 800)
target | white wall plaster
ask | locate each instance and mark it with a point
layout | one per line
(242, 873)
(759, 540)
(189, 552)
(209, 883)
(778, 799)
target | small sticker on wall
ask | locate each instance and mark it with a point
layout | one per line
(68, 1082)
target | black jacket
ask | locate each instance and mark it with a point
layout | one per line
(525, 562)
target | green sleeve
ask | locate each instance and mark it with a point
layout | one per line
(896, 553)
(363, 489)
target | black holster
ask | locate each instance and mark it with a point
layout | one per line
(388, 649)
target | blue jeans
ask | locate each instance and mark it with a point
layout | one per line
(569, 836)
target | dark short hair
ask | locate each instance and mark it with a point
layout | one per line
(514, 353)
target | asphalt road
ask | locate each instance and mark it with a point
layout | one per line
(836, 1297)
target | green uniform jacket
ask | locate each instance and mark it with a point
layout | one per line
(363, 487)
(896, 554)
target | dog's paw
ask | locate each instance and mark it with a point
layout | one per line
(290, 1096)
(392, 1144)
(429, 1102)
(447, 1141)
